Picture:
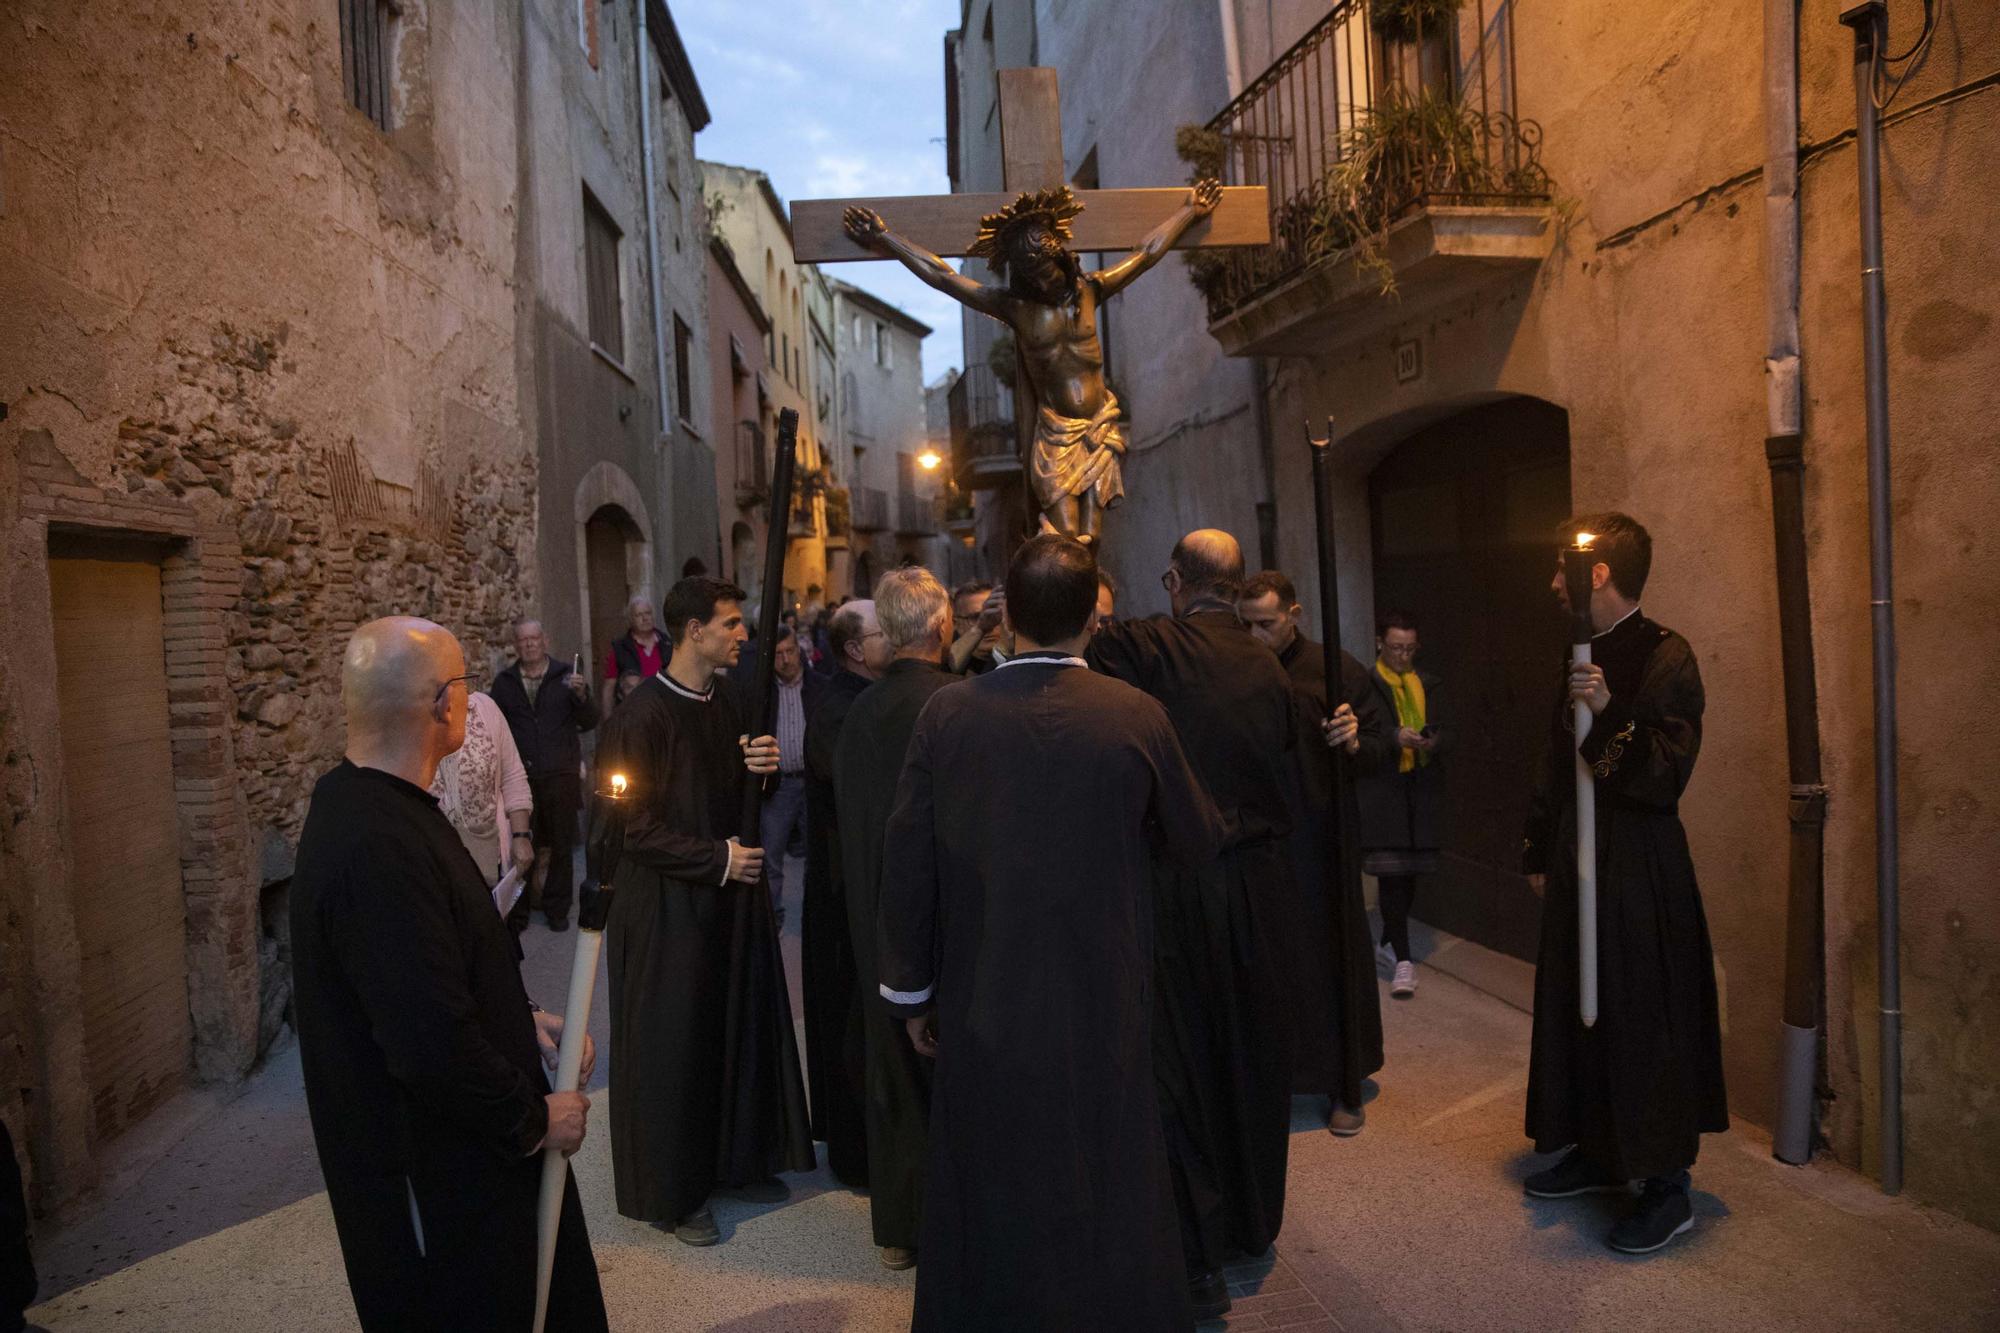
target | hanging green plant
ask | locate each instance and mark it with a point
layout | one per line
(1202, 149)
(1000, 359)
(1402, 20)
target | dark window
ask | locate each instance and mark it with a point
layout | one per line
(683, 374)
(600, 271)
(367, 53)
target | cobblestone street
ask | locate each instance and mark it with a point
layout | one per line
(1418, 1223)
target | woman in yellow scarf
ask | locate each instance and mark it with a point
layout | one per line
(1402, 808)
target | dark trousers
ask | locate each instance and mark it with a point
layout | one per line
(782, 823)
(17, 1265)
(1397, 892)
(558, 799)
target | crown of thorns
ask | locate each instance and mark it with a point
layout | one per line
(1053, 208)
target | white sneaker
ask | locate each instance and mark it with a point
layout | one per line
(1405, 983)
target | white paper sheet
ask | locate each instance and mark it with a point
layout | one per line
(508, 891)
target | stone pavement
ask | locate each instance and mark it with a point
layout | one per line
(1418, 1223)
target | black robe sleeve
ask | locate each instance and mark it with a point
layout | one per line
(642, 737)
(1190, 825)
(411, 983)
(1644, 747)
(906, 912)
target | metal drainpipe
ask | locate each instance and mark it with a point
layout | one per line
(1799, 1058)
(1869, 22)
(660, 330)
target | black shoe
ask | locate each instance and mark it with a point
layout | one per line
(698, 1228)
(1569, 1177)
(1208, 1293)
(559, 923)
(1664, 1212)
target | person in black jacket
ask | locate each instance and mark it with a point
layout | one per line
(1402, 803)
(548, 708)
(424, 1061)
(17, 1262)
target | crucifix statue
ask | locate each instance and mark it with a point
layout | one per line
(1029, 236)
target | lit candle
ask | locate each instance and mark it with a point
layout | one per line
(617, 786)
(1579, 561)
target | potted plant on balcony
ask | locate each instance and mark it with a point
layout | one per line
(1406, 20)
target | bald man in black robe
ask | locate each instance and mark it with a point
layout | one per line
(425, 1066)
(1222, 1040)
(1016, 937)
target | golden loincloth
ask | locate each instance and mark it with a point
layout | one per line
(1073, 455)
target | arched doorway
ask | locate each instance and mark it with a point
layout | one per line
(614, 572)
(1462, 516)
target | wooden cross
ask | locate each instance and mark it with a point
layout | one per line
(1031, 159)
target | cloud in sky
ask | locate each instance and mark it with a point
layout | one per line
(833, 97)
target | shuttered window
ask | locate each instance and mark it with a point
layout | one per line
(367, 55)
(600, 267)
(683, 370)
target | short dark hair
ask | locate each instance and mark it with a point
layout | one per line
(694, 598)
(1202, 572)
(1394, 618)
(1622, 543)
(785, 634)
(1270, 580)
(1105, 581)
(1052, 588)
(693, 567)
(967, 588)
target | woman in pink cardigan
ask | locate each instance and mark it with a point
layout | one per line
(483, 790)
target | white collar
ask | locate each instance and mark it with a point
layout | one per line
(682, 690)
(1616, 623)
(1045, 659)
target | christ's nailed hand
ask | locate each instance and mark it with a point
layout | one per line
(922, 1036)
(567, 1113)
(761, 755)
(864, 226)
(746, 864)
(1205, 195)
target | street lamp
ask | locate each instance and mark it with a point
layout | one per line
(929, 459)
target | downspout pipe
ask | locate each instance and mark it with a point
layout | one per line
(660, 331)
(1793, 1135)
(1870, 24)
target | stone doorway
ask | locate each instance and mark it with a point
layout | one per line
(614, 572)
(122, 826)
(1462, 515)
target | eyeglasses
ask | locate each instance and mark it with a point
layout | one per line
(1168, 579)
(467, 680)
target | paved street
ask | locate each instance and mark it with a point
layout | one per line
(1419, 1223)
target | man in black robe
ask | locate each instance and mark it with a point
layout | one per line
(916, 622)
(1631, 1096)
(423, 1058)
(834, 1051)
(707, 1092)
(1337, 1025)
(1222, 1037)
(1015, 936)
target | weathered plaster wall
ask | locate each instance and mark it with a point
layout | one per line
(232, 295)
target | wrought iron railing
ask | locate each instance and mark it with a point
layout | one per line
(982, 421)
(1383, 108)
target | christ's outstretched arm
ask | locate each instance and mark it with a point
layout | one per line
(867, 229)
(1201, 201)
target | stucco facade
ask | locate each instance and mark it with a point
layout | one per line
(740, 390)
(1643, 333)
(883, 432)
(303, 365)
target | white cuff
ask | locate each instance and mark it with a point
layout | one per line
(907, 997)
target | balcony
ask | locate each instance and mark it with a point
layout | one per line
(916, 515)
(984, 449)
(868, 509)
(1397, 162)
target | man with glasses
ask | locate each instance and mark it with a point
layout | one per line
(1402, 803)
(1222, 1035)
(548, 707)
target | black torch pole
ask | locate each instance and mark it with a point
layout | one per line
(1347, 849)
(758, 701)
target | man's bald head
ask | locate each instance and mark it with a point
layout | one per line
(1210, 564)
(391, 676)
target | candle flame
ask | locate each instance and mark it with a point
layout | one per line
(617, 784)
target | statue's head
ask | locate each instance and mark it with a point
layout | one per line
(1026, 243)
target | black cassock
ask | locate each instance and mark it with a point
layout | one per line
(1636, 1091)
(705, 1084)
(1223, 1037)
(866, 768)
(834, 1057)
(1337, 1030)
(422, 1073)
(1016, 897)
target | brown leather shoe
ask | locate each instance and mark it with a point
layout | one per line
(895, 1258)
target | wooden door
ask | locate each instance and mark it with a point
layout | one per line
(1463, 521)
(124, 840)
(610, 589)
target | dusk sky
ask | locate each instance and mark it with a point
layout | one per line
(833, 98)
